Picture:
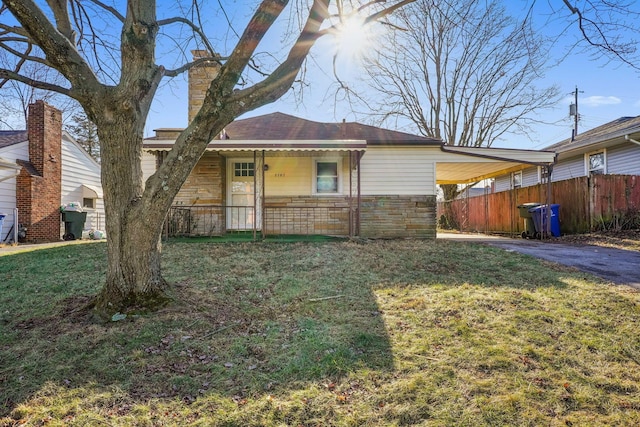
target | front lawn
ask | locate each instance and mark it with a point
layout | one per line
(386, 333)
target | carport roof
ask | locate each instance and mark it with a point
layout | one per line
(463, 165)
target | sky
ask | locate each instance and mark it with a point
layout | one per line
(607, 91)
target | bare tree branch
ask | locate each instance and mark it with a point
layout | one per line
(61, 14)
(10, 75)
(109, 9)
(606, 33)
(194, 27)
(52, 42)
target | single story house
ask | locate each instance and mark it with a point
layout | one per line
(613, 148)
(41, 169)
(281, 174)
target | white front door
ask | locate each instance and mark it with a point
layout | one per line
(241, 200)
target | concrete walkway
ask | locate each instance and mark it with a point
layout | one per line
(615, 265)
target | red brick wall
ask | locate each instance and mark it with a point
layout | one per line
(38, 191)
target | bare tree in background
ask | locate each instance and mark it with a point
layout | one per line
(106, 53)
(464, 72)
(15, 96)
(85, 132)
(604, 28)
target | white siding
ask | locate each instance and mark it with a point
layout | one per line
(530, 176)
(79, 169)
(624, 159)
(398, 171)
(502, 183)
(567, 169)
(8, 187)
(148, 165)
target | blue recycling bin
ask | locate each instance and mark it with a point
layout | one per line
(539, 214)
(1, 223)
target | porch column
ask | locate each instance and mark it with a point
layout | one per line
(350, 194)
(262, 215)
(255, 195)
(359, 156)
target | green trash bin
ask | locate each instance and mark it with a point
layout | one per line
(529, 226)
(73, 224)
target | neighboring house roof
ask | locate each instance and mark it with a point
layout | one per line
(612, 131)
(12, 137)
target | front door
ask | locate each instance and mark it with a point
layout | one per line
(241, 200)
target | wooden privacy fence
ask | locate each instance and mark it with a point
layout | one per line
(586, 204)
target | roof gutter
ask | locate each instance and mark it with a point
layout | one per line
(502, 159)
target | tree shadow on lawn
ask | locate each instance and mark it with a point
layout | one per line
(249, 319)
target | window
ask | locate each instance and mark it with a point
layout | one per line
(516, 180)
(88, 203)
(543, 174)
(596, 163)
(243, 169)
(327, 177)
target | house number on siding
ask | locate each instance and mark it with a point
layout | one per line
(279, 175)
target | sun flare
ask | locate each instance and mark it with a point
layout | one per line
(353, 37)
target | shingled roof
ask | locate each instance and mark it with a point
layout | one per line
(11, 137)
(608, 131)
(283, 127)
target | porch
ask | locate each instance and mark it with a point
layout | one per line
(297, 188)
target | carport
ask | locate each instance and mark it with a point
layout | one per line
(469, 165)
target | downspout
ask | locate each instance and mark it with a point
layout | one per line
(628, 138)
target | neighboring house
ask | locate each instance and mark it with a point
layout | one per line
(613, 148)
(42, 168)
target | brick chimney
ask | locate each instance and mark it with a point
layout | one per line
(199, 80)
(38, 191)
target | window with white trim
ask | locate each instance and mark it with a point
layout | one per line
(516, 179)
(596, 163)
(327, 176)
(243, 169)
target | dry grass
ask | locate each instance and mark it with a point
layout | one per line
(620, 239)
(334, 334)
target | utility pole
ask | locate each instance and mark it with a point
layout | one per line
(573, 111)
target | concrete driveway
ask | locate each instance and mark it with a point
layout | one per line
(615, 265)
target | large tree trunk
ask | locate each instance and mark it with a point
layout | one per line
(134, 281)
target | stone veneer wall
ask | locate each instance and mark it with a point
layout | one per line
(202, 195)
(398, 216)
(381, 216)
(306, 215)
